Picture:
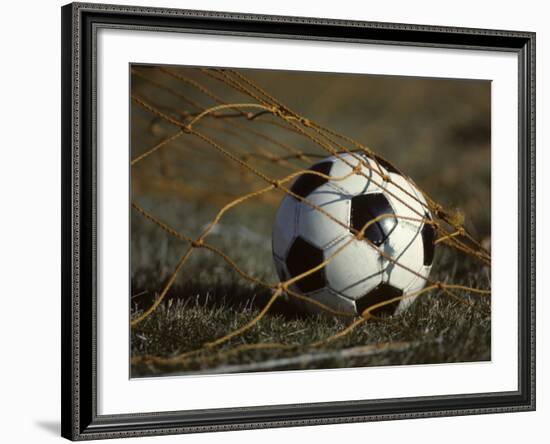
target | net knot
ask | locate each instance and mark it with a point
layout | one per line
(305, 122)
(281, 112)
(281, 286)
(197, 243)
(277, 111)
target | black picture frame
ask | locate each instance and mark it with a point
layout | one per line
(79, 396)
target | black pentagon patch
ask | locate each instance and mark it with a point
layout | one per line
(383, 292)
(428, 238)
(388, 166)
(306, 183)
(302, 257)
(367, 207)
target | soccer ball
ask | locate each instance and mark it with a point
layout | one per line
(362, 273)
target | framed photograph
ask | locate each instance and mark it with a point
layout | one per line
(280, 221)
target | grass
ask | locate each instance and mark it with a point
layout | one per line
(436, 329)
(437, 131)
(210, 300)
